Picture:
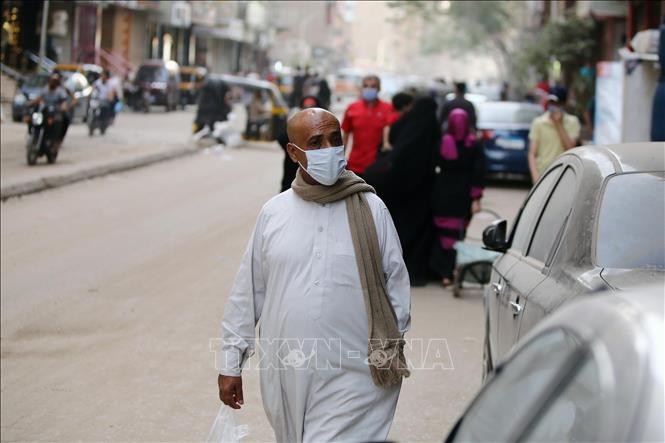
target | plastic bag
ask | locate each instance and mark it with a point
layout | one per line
(224, 428)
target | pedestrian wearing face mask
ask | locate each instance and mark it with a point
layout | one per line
(324, 272)
(365, 121)
(551, 134)
(289, 167)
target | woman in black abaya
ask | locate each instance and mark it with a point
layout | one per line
(404, 179)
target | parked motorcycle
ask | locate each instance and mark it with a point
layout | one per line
(99, 115)
(43, 133)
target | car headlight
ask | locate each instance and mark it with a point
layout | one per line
(37, 118)
(20, 99)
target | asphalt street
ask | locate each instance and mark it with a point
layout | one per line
(113, 288)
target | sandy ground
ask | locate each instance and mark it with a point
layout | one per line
(112, 289)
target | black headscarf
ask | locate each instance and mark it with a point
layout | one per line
(409, 167)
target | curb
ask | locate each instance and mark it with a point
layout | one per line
(42, 184)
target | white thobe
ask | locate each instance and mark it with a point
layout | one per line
(299, 277)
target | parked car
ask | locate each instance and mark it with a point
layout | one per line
(27, 89)
(592, 372)
(504, 131)
(158, 83)
(238, 93)
(594, 220)
(191, 80)
(91, 71)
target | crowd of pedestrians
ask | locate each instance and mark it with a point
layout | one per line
(431, 181)
(426, 164)
(429, 167)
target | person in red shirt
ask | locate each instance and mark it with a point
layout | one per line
(365, 119)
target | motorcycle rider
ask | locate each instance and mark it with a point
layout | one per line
(55, 94)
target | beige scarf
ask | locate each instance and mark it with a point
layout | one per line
(385, 352)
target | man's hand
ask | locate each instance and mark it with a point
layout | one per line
(556, 116)
(557, 120)
(230, 390)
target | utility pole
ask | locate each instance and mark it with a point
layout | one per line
(42, 37)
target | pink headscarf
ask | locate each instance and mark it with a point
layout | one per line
(458, 130)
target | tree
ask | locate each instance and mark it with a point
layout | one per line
(570, 42)
(465, 25)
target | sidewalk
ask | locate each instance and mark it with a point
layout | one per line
(134, 140)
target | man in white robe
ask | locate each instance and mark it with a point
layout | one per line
(299, 281)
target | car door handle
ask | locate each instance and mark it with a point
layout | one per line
(517, 308)
(497, 288)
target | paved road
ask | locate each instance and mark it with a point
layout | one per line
(112, 288)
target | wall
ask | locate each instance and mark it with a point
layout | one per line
(139, 39)
(639, 89)
(221, 56)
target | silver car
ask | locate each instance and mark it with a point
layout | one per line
(595, 220)
(592, 372)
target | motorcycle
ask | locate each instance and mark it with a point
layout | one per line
(99, 115)
(42, 138)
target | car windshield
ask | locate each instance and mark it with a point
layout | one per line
(630, 231)
(507, 114)
(151, 74)
(36, 81)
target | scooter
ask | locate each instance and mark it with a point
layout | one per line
(42, 138)
(99, 115)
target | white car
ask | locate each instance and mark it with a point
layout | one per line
(592, 372)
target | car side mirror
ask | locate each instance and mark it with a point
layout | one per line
(494, 236)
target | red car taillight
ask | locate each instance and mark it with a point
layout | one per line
(487, 135)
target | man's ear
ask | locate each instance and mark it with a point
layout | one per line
(291, 150)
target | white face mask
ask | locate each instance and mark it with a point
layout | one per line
(324, 165)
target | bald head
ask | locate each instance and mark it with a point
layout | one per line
(310, 123)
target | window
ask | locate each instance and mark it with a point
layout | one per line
(531, 211)
(37, 80)
(152, 74)
(630, 232)
(576, 413)
(517, 388)
(554, 217)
